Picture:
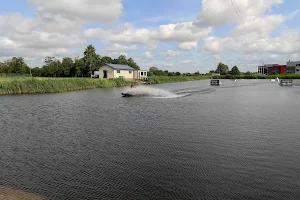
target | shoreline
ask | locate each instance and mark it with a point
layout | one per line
(44, 85)
(41, 85)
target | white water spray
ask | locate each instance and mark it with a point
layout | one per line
(151, 92)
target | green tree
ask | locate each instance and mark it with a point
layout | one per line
(153, 69)
(4, 67)
(106, 59)
(248, 73)
(56, 69)
(52, 67)
(79, 66)
(171, 74)
(49, 59)
(222, 68)
(97, 63)
(235, 71)
(66, 66)
(91, 60)
(132, 64)
(122, 60)
(37, 71)
(115, 61)
(17, 65)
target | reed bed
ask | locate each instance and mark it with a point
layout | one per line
(33, 85)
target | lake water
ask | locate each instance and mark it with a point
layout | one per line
(240, 140)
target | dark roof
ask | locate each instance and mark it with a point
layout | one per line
(117, 66)
(270, 65)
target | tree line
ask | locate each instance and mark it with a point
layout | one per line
(158, 72)
(79, 67)
(224, 70)
(91, 61)
(15, 65)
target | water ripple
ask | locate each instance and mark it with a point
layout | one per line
(239, 141)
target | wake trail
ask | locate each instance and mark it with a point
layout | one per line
(150, 92)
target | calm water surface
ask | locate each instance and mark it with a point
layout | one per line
(237, 141)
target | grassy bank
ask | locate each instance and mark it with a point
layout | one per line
(29, 85)
(280, 76)
(170, 79)
(33, 85)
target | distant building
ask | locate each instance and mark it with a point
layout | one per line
(293, 67)
(111, 71)
(140, 74)
(271, 69)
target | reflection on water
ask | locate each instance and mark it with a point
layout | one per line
(236, 141)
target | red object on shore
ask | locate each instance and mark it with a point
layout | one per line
(282, 69)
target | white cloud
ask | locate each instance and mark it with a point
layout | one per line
(6, 43)
(186, 61)
(44, 40)
(170, 54)
(288, 42)
(56, 23)
(118, 47)
(151, 46)
(253, 29)
(54, 28)
(124, 34)
(17, 23)
(187, 45)
(37, 37)
(116, 54)
(87, 10)
(212, 45)
(216, 12)
(261, 25)
(181, 32)
(148, 54)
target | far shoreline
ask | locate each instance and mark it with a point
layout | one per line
(43, 85)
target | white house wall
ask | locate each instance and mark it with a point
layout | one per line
(110, 72)
(113, 73)
(137, 74)
(124, 73)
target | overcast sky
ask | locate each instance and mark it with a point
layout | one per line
(174, 35)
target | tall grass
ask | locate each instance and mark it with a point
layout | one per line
(170, 79)
(26, 85)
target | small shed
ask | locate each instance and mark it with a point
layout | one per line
(140, 74)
